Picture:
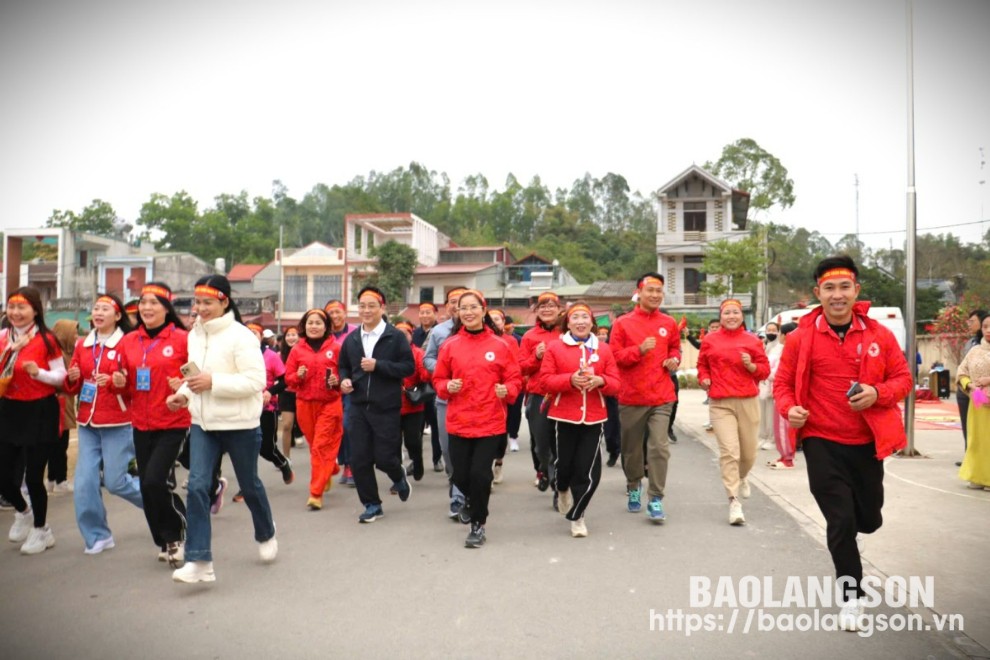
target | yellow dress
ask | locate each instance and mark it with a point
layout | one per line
(976, 464)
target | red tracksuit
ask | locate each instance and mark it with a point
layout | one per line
(645, 381)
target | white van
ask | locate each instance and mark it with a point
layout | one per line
(892, 317)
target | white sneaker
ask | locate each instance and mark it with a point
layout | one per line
(497, 474)
(175, 554)
(513, 444)
(736, 513)
(100, 546)
(23, 524)
(564, 501)
(850, 614)
(195, 571)
(578, 529)
(63, 487)
(744, 489)
(39, 540)
(268, 550)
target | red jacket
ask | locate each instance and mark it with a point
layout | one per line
(314, 386)
(421, 375)
(110, 407)
(645, 381)
(481, 361)
(720, 361)
(163, 355)
(22, 386)
(562, 359)
(528, 362)
(816, 371)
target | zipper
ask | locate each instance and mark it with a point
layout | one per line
(206, 346)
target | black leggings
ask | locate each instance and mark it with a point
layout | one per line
(58, 462)
(156, 453)
(269, 440)
(29, 462)
(412, 439)
(472, 460)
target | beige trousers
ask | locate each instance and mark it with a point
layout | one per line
(735, 422)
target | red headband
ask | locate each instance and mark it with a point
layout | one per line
(492, 312)
(837, 274)
(131, 308)
(158, 291)
(109, 301)
(579, 307)
(428, 306)
(650, 280)
(335, 304)
(404, 324)
(455, 293)
(549, 296)
(18, 298)
(476, 294)
(316, 310)
(373, 295)
(255, 328)
(206, 291)
(729, 301)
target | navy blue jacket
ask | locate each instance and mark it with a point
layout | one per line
(380, 389)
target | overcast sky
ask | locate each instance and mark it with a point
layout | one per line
(119, 100)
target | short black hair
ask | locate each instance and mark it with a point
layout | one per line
(835, 261)
(788, 328)
(639, 282)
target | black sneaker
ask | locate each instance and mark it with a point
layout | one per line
(671, 436)
(409, 469)
(476, 537)
(544, 482)
(403, 489)
(556, 505)
(4, 504)
(612, 458)
(288, 476)
(464, 514)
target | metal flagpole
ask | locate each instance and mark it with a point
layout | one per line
(909, 252)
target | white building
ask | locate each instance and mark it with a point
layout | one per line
(696, 208)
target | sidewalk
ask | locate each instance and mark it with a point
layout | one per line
(933, 524)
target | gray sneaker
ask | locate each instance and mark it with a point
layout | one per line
(476, 537)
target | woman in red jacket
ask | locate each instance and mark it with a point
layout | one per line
(29, 416)
(147, 369)
(477, 370)
(515, 408)
(731, 364)
(104, 420)
(312, 372)
(412, 413)
(578, 372)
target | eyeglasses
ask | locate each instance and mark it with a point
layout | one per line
(469, 308)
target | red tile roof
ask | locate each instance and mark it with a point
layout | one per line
(244, 272)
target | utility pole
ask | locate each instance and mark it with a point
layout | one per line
(856, 180)
(281, 281)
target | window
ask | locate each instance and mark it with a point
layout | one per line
(426, 294)
(325, 288)
(295, 293)
(695, 216)
(692, 280)
(694, 259)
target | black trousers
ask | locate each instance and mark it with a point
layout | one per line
(156, 452)
(613, 431)
(963, 402)
(677, 394)
(514, 420)
(472, 460)
(541, 433)
(430, 419)
(269, 440)
(29, 463)
(412, 438)
(58, 461)
(579, 463)
(374, 437)
(847, 483)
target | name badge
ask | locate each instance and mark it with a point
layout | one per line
(144, 379)
(88, 392)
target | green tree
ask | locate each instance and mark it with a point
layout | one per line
(738, 266)
(746, 165)
(396, 266)
(96, 218)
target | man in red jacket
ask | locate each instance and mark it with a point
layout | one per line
(647, 347)
(840, 378)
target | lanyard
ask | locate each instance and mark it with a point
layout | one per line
(97, 358)
(144, 358)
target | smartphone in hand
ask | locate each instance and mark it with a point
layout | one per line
(855, 389)
(189, 369)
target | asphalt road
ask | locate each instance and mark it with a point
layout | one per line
(405, 586)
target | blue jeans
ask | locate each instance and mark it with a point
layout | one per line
(455, 493)
(114, 446)
(242, 446)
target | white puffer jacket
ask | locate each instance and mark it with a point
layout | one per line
(230, 353)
